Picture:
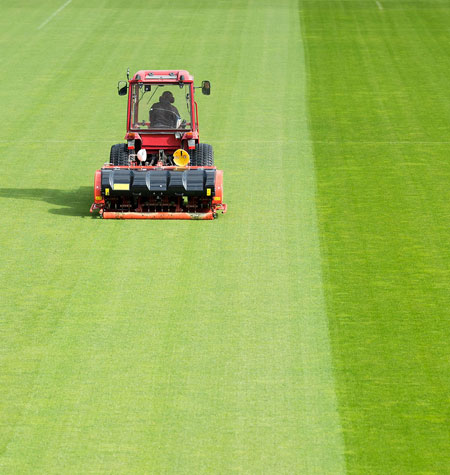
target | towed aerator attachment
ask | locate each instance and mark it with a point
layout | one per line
(158, 193)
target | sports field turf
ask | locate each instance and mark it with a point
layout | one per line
(305, 331)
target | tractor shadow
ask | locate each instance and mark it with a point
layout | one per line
(69, 202)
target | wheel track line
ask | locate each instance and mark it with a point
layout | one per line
(53, 14)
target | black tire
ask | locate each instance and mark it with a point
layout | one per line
(119, 155)
(203, 156)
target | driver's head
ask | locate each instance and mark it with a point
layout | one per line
(167, 96)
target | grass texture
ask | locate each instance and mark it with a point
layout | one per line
(303, 332)
(379, 108)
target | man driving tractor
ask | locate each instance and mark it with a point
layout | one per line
(163, 114)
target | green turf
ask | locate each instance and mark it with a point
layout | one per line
(304, 331)
(379, 116)
(162, 346)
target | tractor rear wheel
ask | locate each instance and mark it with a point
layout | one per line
(203, 156)
(119, 155)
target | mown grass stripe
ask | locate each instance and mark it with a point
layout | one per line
(165, 347)
(380, 115)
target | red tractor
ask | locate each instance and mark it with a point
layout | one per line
(162, 171)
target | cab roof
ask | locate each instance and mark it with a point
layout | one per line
(166, 75)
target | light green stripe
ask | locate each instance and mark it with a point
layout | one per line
(270, 94)
(166, 347)
(322, 438)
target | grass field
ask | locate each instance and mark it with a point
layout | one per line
(305, 331)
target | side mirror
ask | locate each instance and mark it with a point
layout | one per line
(122, 90)
(206, 88)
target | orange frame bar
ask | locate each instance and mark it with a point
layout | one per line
(136, 215)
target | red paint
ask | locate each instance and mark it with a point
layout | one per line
(218, 187)
(98, 188)
(134, 215)
(196, 116)
(143, 73)
(153, 142)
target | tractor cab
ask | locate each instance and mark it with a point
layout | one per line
(161, 100)
(160, 106)
(162, 113)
